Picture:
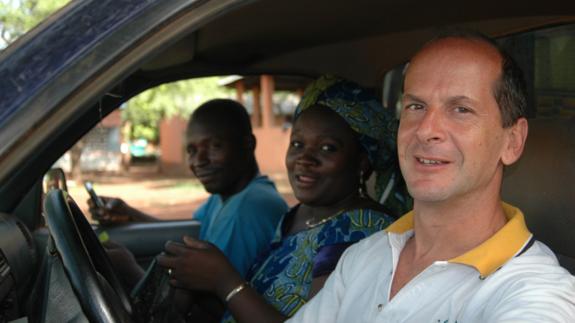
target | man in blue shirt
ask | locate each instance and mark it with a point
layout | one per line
(241, 215)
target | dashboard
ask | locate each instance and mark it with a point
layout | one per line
(18, 259)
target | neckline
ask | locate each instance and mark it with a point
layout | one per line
(310, 224)
(291, 213)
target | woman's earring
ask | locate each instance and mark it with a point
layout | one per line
(362, 189)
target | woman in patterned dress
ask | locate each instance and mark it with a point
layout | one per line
(341, 134)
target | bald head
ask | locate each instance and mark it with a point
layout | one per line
(509, 88)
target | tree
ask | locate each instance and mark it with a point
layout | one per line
(145, 111)
(19, 16)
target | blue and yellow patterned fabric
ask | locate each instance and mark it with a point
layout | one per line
(284, 273)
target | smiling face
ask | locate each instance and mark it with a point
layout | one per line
(451, 142)
(216, 159)
(323, 159)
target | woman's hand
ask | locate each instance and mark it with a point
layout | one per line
(199, 265)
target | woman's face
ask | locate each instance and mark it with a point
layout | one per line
(323, 158)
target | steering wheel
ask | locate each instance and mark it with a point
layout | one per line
(87, 266)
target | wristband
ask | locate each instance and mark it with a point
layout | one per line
(235, 291)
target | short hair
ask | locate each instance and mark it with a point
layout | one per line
(510, 91)
(225, 113)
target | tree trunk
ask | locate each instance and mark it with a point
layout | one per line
(75, 155)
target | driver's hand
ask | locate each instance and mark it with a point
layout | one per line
(115, 211)
(124, 263)
(118, 254)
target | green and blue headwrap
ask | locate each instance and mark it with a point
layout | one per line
(377, 130)
(375, 125)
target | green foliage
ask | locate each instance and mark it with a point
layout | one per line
(19, 16)
(145, 111)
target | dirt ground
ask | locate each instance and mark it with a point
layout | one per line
(166, 197)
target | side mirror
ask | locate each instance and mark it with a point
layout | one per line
(54, 178)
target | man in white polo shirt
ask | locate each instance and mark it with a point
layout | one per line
(461, 255)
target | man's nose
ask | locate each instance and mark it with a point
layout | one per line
(431, 126)
(199, 158)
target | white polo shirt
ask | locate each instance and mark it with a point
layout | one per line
(508, 278)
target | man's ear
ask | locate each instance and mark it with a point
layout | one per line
(516, 136)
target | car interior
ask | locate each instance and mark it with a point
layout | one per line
(62, 78)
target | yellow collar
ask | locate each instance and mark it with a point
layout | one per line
(493, 252)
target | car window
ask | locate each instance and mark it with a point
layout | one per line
(138, 152)
(554, 71)
(122, 155)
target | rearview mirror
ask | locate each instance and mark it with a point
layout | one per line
(55, 178)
